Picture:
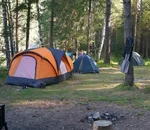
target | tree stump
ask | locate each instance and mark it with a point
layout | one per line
(102, 125)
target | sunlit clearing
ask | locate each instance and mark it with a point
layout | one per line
(39, 103)
(109, 68)
(115, 72)
(114, 63)
(147, 62)
(110, 86)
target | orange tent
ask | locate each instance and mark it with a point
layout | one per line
(39, 67)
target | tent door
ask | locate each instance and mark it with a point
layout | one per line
(63, 68)
(26, 68)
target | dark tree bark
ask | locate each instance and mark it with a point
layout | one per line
(39, 23)
(102, 41)
(107, 32)
(11, 28)
(141, 45)
(129, 77)
(135, 25)
(97, 42)
(16, 24)
(52, 25)
(89, 26)
(5, 32)
(144, 48)
(147, 47)
(76, 48)
(28, 24)
(139, 21)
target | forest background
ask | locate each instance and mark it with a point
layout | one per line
(94, 26)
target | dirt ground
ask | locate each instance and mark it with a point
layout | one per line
(46, 115)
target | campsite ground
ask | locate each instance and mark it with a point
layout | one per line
(61, 116)
(66, 106)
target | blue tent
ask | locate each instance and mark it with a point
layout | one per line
(85, 64)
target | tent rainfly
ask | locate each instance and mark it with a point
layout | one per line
(39, 67)
(137, 59)
(85, 64)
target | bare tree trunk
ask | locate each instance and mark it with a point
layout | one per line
(144, 48)
(52, 25)
(76, 48)
(141, 45)
(102, 41)
(139, 34)
(108, 32)
(28, 24)
(135, 25)
(129, 77)
(94, 49)
(11, 28)
(147, 46)
(16, 33)
(39, 23)
(89, 26)
(97, 41)
(5, 33)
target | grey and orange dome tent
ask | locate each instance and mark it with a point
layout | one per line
(39, 67)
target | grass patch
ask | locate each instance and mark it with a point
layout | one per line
(124, 87)
(146, 90)
(147, 62)
(83, 88)
(2, 59)
(100, 63)
(3, 74)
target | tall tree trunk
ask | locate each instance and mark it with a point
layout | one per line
(139, 34)
(28, 24)
(102, 41)
(16, 33)
(11, 28)
(5, 33)
(129, 77)
(144, 48)
(147, 46)
(76, 48)
(94, 49)
(141, 45)
(52, 25)
(135, 25)
(89, 26)
(97, 41)
(107, 32)
(39, 23)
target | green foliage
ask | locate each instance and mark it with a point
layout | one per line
(82, 46)
(2, 59)
(70, 21)
(100, 63)
(147, 61)
(117, 41)
(115, 60)
(21, 7)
